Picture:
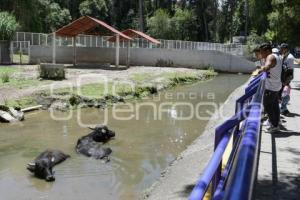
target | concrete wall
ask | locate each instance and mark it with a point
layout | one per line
(5, 53)
(145, 57)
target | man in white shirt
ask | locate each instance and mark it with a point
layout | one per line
(272, 66)
(288, 58)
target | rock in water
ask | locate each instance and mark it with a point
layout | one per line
(9, 114)
(6, 117)
(19, 115)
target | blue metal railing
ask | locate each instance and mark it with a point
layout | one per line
(236, 180)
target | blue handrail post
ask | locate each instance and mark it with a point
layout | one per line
(236, 181)
(217, 176)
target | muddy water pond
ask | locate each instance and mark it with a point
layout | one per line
(149, 135)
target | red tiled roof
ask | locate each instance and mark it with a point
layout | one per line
(134, 33)
(85, 24)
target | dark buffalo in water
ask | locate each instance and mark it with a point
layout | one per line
(42, 166)
(91, 144)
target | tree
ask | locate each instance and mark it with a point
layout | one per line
(8, 26)
(284, 22)
(182, 24)
(141, 15)
(57, 17)
(94, 8)
(159, 24)
(258, 15)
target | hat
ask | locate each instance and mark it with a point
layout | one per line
(284, 46)
(275, 50)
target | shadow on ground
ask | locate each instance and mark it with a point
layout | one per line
(280, 186)
(186, 191)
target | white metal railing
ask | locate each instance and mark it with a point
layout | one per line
(101, 41)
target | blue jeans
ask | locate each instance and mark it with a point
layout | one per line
(284, 102)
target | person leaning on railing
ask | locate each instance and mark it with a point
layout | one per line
(259, 61)
(273, 67)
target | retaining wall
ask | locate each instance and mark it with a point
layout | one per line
(144, 57)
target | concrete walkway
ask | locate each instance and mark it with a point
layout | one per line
(279, 163)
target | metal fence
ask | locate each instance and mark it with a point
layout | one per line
(101, 41)
(236, 180)
(20, 51)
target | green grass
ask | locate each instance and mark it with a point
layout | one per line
(17, 59)
(96, 90)
(143, 84)
(22, 102)
(146, 77)
(21, 83)
(142, 77)
(127, 91)
(7, 79)
(9, 70)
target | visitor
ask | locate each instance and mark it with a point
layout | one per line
(257, 54)
(286, 77)
(285, 98)
(272, 67)
(259, 61)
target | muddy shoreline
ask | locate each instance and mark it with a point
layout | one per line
(133, 83)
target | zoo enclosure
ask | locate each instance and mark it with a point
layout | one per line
(236, 180)
(22, 41)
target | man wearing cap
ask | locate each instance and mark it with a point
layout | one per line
(287, 76)
(273, 67)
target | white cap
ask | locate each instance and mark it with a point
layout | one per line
(275, 50)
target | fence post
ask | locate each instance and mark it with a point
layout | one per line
(29, 52)
(217, 175)
(117, 49)
(11, 52)
(21, 53)
(54, 48)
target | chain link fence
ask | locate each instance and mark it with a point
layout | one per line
(43, 39)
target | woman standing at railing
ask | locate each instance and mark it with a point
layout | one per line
(272, 66)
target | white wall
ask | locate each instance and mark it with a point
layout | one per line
(145, 57)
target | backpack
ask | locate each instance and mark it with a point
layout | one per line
(287, 73)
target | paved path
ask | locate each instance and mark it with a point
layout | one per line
(279, 164)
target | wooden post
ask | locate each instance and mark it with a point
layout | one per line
(21, 53)
(11, 52)
(128, 54)
(74, 51)
(117, 50)
(54, 48)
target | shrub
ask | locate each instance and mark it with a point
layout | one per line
(8, 26)
(5, 77)
(164, 63)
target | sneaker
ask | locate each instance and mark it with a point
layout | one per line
(266, 123)
(286, 112)
(273, 129)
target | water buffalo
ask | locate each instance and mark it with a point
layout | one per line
(91, 144)
(43, 164)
